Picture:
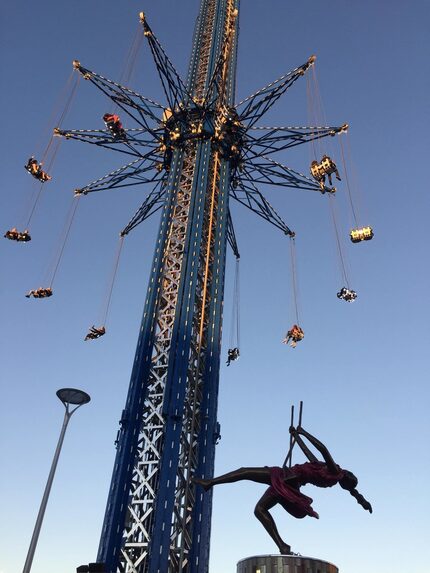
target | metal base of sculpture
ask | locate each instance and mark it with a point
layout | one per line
(284, 564)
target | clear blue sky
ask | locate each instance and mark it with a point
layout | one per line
(362, 370)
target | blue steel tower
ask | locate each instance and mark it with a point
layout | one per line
(198, 152)
(154, 521)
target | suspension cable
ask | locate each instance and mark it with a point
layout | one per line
(69, 100)
(361, 208)
(354, 213)
(312, 117)
(320, 112)
(112, 280)
(339, 245)
(52, 121)
(55, 146)
(71, 87)
(34, 203)
(66, 232)
(235, 314)
(294, 277)
(129, 63)
(238, 303)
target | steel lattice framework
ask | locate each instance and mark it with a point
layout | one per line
(198, 151)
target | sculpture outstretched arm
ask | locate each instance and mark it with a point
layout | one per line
(298, 432)
(298, 440)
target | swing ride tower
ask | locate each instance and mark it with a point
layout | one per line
(155, 521)
(199, 152)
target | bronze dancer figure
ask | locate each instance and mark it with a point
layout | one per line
(285, 483)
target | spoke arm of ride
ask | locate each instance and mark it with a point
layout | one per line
(151, 205)
(272, 172)
(248, 194)
(130, 145)
(275, 139)
(256, 105)
(143, 110)
(231, 236)
(134, 173)
(173, 86)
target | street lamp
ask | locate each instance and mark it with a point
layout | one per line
(69, 397)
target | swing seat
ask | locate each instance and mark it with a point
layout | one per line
(316, 171)
(327, 165)
(114, 125)
(116, 131)
(298, 336)
(24, 237)
(347, 294)
(35, 169)
(15, 235)
(233, 354)
(12, 234)
(294, 335)
(42, 176)
(40, 293)
(361, 234)
(95, 333)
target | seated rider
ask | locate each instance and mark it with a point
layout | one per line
(318, 173)
(12, 235)
(32, 166)
(326, 167)
(24, 237)
(347, 294)
(94, 332)
(232, 355)
(40, 293)
(330, 167)
(296, 334)
(15, 235)
(342, 292)
(113, 123)
(35, 169)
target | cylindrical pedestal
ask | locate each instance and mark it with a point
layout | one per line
(284, 564)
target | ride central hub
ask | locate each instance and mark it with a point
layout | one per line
(223, 128)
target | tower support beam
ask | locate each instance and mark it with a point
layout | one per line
(154, 522)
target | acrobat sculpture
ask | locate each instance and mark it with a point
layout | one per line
(285, 483)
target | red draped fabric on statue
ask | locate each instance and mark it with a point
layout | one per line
(296, 503)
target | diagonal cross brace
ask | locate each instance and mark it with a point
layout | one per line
(173, 86)
(276, 139)
(135, 171)
(151, 205)
(272, 172)
(126, 99)
(257, 104)
(248, 194)
(130, 145)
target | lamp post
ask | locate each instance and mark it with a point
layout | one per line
(69, 397)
